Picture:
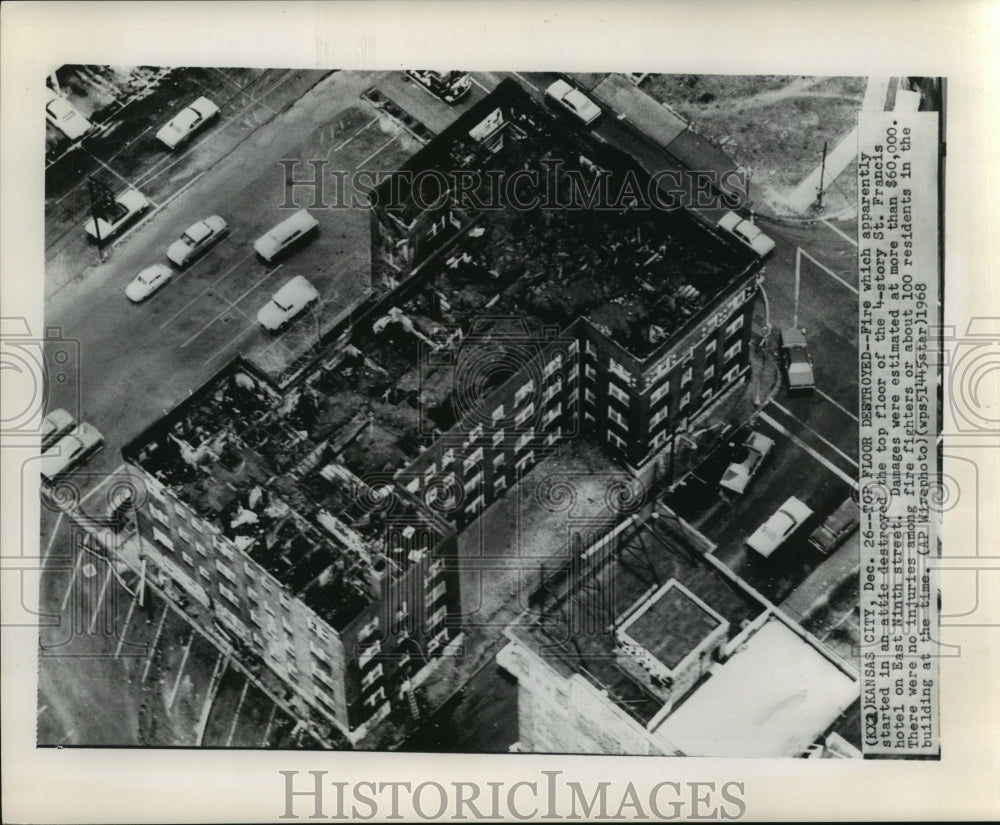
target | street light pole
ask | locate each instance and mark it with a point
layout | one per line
(798, 276)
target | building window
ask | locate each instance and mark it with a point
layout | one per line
(731, 374)
(659, 416)
(498, 413)
(589, 348)
(524, 440)
(499, 460)
(527, 459)
(614, 439)
(589, 372)
(524, 415)
(229, 595)
(733, 351)
(473, 459)
(524, 391)
(500, 484)
(473, 508)
(553, 365)
(159, 515)
(371, 677)
(618, 394)
(617, 417)
(709, 372)
(473, 483)
(588, 396)
(619, 369)
(685, 400)
(659, 439)
(553, 389)
(448, 457)
(686, 377)
(660, 392)
(162, 538)
(737, 323)
(187, 559)
(369, 653)
(710, 348)
(437, 592)
(498, 438)
(377, 698)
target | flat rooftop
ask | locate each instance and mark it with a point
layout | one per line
(672, 626)
(650, 554)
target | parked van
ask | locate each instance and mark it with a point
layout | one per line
(796, 361)
(286, 233)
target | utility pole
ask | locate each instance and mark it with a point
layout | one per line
(798, 277)
(822, 173)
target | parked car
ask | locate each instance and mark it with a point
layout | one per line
(747, 232)
(69, 451)
(289, 231)
(129, 205)
(796, 361)
(573, 102)
(197, 238)
(186, 122)
(66, 117)
(838, 526)
(147, 282)
(450, 87)
(54, 426)
(773, 532)
(740, 472)
(293, 298)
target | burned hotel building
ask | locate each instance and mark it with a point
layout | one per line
(315, 519)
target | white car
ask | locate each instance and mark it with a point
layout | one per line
(747, 232)
(197, 238)
(290, 231)
(294, 297)
(129, 205)
(740, 473)
(66, 117)
(69, 451)
(55, 425)
(147, 282)
(186, 122)
(573, 101)
(773, 532)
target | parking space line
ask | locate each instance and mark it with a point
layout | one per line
(52, 538)
(844, 410)
(134, 140)
(367, 126)
(267, 727)
(525, 80)
(72, 581)
(236, 714)
(100, 602)
(284, 77)
(829, 444)
(243, 89)
(231, 306)
(833, 468)
(156, 641)
(207, 289)
(128, 621)
(230, 342)
(377, 151)
(180, 671)
(828, 271)
(124, 180)
(843, 235)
